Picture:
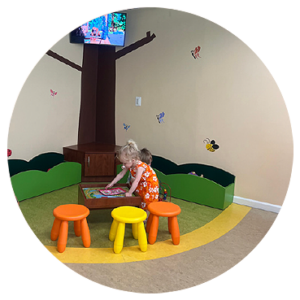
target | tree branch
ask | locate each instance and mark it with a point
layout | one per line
(64, 60)
(135, 45)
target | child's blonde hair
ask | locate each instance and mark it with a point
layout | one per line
(129, 151)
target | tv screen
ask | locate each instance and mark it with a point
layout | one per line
(106, 30)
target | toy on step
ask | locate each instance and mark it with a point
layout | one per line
(194, 173)
(164, 192)
(165, 195)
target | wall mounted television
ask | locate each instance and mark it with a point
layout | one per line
(105, 30)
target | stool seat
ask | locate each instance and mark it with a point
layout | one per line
(163, 209)
(128, 214)
(123, 215)
(70, 212)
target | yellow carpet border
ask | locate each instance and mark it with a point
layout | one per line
(213, 230)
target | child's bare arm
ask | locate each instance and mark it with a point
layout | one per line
(117, 178)
(136, 181)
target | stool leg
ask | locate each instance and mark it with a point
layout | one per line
(135, 230)
(175, 230)
(118, 244)
(142, 237)
(153, 229)
(55, 229)
(63, 236)
(85, 233)
(169, 225)
(113, 230)
(77, 228)
(149, 223)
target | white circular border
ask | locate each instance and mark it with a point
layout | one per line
(124, 5)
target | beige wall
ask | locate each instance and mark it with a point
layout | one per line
(227, 95)
(41, 123)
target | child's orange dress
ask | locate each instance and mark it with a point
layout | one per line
(148, 186)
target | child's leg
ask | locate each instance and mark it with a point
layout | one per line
(129, 178)
(148, 213)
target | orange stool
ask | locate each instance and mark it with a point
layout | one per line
(163, 209)
(70, 212)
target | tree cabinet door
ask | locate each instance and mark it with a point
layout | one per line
(99, 165)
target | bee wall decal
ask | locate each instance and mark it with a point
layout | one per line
(211, 145)
(126, 126)
(160, 117)
(53, 93)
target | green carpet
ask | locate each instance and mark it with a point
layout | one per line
(38, 212)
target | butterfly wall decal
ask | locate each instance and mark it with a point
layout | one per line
(196, 52)
(126, 126)
(53, 93)
(160, 117)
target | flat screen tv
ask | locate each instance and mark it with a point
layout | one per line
(106, 30)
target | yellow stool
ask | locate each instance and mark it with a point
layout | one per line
(134, 216)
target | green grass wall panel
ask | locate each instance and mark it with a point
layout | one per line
(33, 183)
(195, 189)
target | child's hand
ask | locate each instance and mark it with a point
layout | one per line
(109, 186)
(128, 194)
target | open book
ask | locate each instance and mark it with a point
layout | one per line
(112, 192)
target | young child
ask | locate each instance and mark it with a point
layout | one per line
(144, 180)
(146, 157)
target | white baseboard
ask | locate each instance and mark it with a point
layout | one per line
(257, 204)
